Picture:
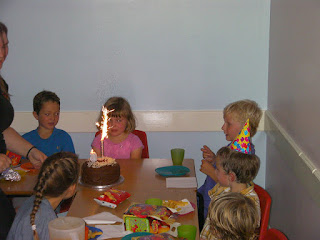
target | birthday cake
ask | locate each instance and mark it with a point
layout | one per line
(104, 171)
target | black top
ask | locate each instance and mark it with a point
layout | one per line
(6, 118)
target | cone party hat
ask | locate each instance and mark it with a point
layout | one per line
(242, 143)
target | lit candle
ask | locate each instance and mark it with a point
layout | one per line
(93, 156)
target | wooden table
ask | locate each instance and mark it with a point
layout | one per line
(140, 180)
(22, 188)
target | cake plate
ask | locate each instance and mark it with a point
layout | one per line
(101, 187)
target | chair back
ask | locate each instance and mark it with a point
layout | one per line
(143, 137)
(275, 234)
(265, 205)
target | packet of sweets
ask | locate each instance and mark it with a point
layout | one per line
(112, 198)
(15, 158)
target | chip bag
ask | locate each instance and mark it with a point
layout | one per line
(145, 210)
(150, 218)
(112, 198)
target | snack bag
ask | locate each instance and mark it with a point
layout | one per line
(145, 210)
(162, 236)
(150, 218)
(112, 198)
(15, 158)
(180, 207)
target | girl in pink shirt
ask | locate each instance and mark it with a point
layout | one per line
(120, 142)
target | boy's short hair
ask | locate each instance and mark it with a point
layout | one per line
(244, 166)
(43, 97)
(233, 216)
(243, 110)
(121, 108)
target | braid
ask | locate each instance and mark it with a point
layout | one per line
(57, 174)
(38, 189)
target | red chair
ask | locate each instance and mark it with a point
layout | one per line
(265, 205)
(143, 137)
(275, 234)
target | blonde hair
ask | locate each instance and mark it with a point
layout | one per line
(121, 108)
(233, 216)
(242, 111)
(244, 166)
(57, 174)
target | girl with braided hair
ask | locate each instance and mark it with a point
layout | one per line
(57, 180)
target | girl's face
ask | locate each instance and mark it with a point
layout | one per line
(49, 115)
(4, 49)
(117, 126)
(231, 127)
(222, 176)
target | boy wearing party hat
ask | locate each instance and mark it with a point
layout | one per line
(235, 115)
(235, 169)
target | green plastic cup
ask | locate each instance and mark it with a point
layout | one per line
(177, 155)
(187, 231)
(154, 201)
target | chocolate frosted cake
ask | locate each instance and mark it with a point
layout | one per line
(102, 172)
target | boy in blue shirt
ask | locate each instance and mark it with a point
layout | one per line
(47, 138)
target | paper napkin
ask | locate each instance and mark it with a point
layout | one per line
(181, 182)
(112, 231)
(102, 218)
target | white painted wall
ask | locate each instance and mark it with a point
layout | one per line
(160, 55)
(293, 100)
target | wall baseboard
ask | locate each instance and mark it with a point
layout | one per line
(149, 121)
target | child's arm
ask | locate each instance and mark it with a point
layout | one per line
(136, 154)
(207, 153)
(207, 168)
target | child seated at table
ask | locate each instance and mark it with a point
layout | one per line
(120, 142)
(47, 138)
(232, 216)
(57, 180)
(235, 115)
(235, 171)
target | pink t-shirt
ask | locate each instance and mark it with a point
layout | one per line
(118, 150)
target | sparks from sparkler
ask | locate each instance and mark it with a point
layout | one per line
(104, 126)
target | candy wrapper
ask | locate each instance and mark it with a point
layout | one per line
(162, 236)
(180, 207)
(15, 158)
(112, 198)
(150, 224)
(11, 175)
(150, 218)
(145, 210)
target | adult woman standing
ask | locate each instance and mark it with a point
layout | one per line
(10, 139)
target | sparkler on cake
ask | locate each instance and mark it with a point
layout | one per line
(100, 171)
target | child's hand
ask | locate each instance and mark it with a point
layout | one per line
(207, 153)
(206, 167)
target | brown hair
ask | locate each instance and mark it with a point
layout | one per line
(242, 111)
(245, 166)
(233, 216)
(3, 84)
(57, 174)
(43, 97)
(121, 108)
